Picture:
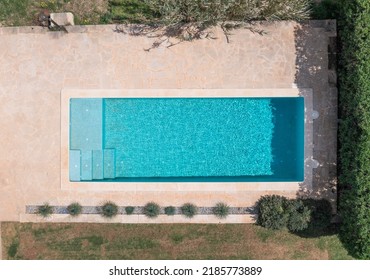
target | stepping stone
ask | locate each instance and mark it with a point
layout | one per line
(62, 19)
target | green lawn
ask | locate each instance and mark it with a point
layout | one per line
(162, 241)
(25, 12)
(15, 12)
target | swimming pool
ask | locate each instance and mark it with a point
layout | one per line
(186, 139)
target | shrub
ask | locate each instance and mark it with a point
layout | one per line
(170, 210)
(74, 209)
(190, 20)
(271, 212)
(208, 12)
(151, 210)
(45, 210)
(129, 210)
(109, 210)
(321, 213)
(221, 210)
(278, 212)
(354, 127)
(299, 215)
(189, 210)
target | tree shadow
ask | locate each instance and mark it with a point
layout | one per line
(321, 218)
(171, 35)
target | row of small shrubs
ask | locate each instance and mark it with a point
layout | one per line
(354, 126)
(151, 210)
(296, 215)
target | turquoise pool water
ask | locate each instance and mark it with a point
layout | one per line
(186, 139)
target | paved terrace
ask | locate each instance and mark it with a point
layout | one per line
(36, 65)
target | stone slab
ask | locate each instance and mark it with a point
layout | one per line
(62, 19)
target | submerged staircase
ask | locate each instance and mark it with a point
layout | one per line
(87, 165)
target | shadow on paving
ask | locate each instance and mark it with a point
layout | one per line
(315, 43)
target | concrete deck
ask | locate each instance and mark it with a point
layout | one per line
(36, 66)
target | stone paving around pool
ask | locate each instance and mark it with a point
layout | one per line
(36, 66)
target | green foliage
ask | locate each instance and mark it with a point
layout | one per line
(151, 210)
(131, 11)
(278, 212)
(271, 212)
(210, 12)
(177, 238)
(321, 213)
(13, 249)
(74, 209)
(221, 210)
(185, 20)
(326, 9)
(354, 127)
(109, 210)
(51, 5)
(95, 240)
(299, 215)
(189, 210)
(45, 210)
(169, 210)
(14, 12)
(129, 210)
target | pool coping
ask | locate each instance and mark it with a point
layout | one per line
(66, 94)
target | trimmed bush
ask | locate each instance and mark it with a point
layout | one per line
(189, 210)
(278, 212)
(45, 210)
(129, 210)
(109, 210)
(299, 215)
(221, 210)
(74, 209)
(354, 126)
(169, 210)
(272, 212)
(151, 210)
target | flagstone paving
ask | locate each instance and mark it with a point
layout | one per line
(36, 65)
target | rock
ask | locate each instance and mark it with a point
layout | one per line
(62, 19)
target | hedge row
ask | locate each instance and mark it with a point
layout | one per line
(354, 127)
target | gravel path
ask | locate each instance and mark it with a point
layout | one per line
(32, 209)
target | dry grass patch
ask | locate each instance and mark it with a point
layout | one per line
(162, 241)
(87, 11)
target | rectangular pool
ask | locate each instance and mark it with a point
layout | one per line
(186, 139)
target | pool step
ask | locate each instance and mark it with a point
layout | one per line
(98, 166)
(86, 165)
(109, 164)
(75, 165)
